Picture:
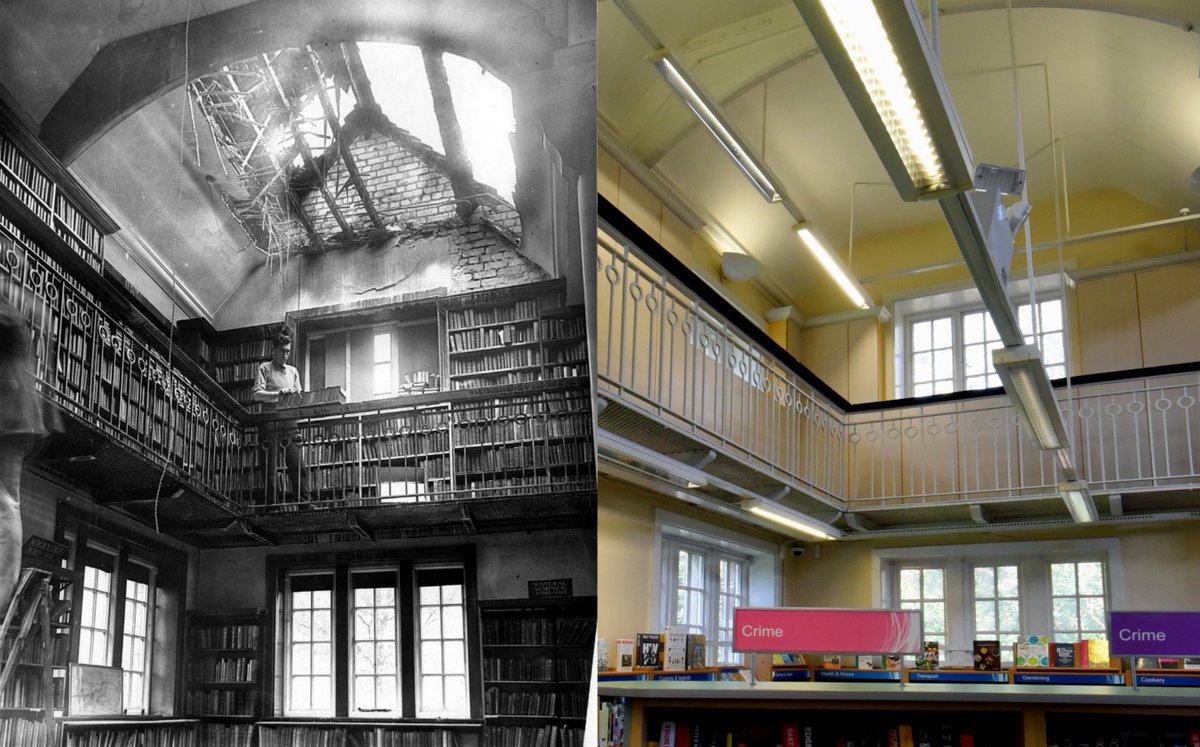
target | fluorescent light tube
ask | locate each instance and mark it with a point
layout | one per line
(1079, 501)
(1025, 380)
(794, 520)
(707, 113)
(883, 61)
(833, 266)
(624, 449)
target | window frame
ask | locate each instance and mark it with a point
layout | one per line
(342, 565)
(763, 567)
(956, 303)
(1033, 559)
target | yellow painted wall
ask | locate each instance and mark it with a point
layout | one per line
(625, 519)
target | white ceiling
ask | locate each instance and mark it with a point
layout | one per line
(1117, 84)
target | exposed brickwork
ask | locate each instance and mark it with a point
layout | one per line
(411, 191)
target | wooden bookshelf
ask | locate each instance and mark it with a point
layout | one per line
(537, 657)
(376, 733)
(34, 649)
(225, 663)
(131, 732)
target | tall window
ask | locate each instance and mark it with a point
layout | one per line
(1078, 600)
(952, 351)
(704, 584)
(442, 643)
(924, 589)
(1002, 591)
(375, 663)
(94, 617)
(135, 649)
(382, 374)
(396, 627)
(310, 644)
(997, 609)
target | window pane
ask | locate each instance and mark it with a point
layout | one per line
(301, 695)
(430, 595)
(364, 597)
(922, 338)
(364, 659)
(385, 623)
(1051, 315)
(452, 594)
(383, 347)
(1025, 319)
(385, 693)
(322, 693)
(934, 617)
(1007, 580)
(1091, 614)
(943, 336)
(453, 660)
(302, 626)
(985, 616)
(431, 693)
(431, 657)
(302, 600)
(320, 626)
(383, 378)
(985, 582)
(1065, 618)
(922, 390)
(322, 658)
(456, 694)
(364, 693)
(933, 583)
(322, 599)
(1010, 615)
(923, 367)
(973, 328)
(1091, 578)
(1052, 348)
(910, 583)
(431, 622)
(302, 658)
(1062, 578)
(943, 364)
(385, 597)
(364, 624)
(385, 657)
(453, 622)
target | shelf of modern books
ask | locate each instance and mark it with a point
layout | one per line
(765, 714)
(537, 659)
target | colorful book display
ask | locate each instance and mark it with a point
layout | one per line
(929, 658)
(1032, 651)
(675, 645)
(649, 651)
(986, 655)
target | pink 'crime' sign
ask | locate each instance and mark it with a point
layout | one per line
(826, 631)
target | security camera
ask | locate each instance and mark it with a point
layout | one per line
(798, 551)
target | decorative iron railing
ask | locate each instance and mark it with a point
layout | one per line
(678, 360)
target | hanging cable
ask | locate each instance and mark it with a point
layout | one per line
(1012, 51)
(170, 373)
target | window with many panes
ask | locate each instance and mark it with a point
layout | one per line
(704, 586)
(135, 649)
(309, 675)
(95, 621)
(996, 596)
(441, 633)
(924, 590)
(368, 621)
(952, 350)
(382, 371)
(1078, 600)
(1001, 591)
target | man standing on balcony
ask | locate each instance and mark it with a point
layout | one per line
(272, 379)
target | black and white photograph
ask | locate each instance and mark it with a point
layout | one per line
(296, 402)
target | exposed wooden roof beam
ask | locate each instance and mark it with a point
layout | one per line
(359, 82)
(343, 146)
(306, 154)
(461, 178)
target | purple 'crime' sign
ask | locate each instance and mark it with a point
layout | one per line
(1154, 633)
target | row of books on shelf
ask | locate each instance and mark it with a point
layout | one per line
(522, 429)
(497, 702)
(573, 353)
(14, 238)
(224, 669)
(26, 731)
(549, 735)
(496, 360)
(235, 352)
(362, 735)
(222, 702)
(498, 378)
(231, 636)
(515, 311)
(32, 651)
(860, 731)
(470, 340)
(404, 445)
(225, 735)
(563, 327)
(547, 403)
(230, 372)
(526, 456)
(567, 370)
(26, 689)
(133, 735)
(537, 669)
(538, 631)
(675, 649)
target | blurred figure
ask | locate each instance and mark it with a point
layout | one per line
(271, 379)
(21, 428)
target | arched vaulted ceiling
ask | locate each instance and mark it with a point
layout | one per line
(1109, 92)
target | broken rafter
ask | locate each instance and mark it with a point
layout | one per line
(461, 178)
(306, 155)
(359, 82)
(343, 145)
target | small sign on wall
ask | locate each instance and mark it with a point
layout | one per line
(550, 588)
(39, 552)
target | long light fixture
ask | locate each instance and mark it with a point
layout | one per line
(832, 265)
(1078, 498)
(707, 113)
(794, 520)
(624, 449)
(884, 63)
(1024, 377)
